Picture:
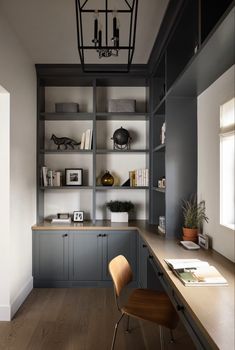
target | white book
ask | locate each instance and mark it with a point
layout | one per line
(87, 139)
(146, 177)
(90, 140)
(185, 263)
(61, 221)
(82, 146)
(57, 178)
(44, 176)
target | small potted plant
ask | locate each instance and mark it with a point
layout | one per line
(120, 210)
(194, 214)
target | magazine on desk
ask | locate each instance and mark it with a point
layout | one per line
(195, 272)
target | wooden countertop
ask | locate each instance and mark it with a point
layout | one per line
(98, 225)
(212, 308)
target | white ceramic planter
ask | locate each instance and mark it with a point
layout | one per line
(119, 217)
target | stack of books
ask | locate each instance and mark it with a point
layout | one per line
(194, 272)
(139, 177)
(86, 142)
(62, 218)
(50, 177)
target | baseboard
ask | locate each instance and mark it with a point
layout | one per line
(21, 296)
(5, 313)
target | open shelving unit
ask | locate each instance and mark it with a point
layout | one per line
(91, 197)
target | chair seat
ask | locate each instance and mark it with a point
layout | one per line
(151, 306)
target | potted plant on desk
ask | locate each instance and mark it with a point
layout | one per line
(194, 215)
(120, 210)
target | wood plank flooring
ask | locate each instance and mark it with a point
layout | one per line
(79, 319)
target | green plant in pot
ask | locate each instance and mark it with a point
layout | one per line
(120, 210)
(194, 214)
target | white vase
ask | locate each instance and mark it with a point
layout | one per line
(119, 216)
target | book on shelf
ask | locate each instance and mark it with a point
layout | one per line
(195, 272)
(86, 141)
(139, 177)
(61, 221)
(44, 176)
(50, 177)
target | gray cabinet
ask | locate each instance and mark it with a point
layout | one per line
(76, 258)
(50, 255)
(85, 254)
(119, 243)
(143, 259)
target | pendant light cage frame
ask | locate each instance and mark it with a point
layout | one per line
(131, 8)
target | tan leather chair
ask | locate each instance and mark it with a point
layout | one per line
(144, 304)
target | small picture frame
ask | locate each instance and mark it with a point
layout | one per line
(203, 241)
(73, 177)
(78, 216)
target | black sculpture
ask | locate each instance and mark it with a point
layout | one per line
(66, 141)
(121, 139)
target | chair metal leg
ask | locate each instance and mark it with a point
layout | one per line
(115, 331)
(172, 336)
(127, 325)
(161, 337)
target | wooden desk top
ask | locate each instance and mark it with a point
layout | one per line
(212, 308)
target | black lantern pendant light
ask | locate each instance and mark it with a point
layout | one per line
(106, 42)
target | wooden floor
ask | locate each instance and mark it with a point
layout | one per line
(79, 319)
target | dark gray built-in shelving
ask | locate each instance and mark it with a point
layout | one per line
(181, 66)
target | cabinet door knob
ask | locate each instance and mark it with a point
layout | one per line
(65, 235)
(104, 235)
(150, 257)
(160, 274)
(99, 235)
(144, 246)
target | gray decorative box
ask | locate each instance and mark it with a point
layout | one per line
(121, 105)
(67, 107)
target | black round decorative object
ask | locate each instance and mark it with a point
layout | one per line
(121, 139)
(107, 179)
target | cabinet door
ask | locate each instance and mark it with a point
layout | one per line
(116, 243)
(50, 255)
(86, 256)
(143, 258)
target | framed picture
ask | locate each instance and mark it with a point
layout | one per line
(78, 216)
(73, 177)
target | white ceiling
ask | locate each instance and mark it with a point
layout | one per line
(47, 28)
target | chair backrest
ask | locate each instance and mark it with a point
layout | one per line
(121, 273)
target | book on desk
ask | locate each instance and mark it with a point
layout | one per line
(195, 272)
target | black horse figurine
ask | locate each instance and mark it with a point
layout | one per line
(66, 141)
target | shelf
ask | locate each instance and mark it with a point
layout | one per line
(121, 188)
(215, 56)
(160, 148)
(72, 151)
(66, 187)
(122, 116)
(161, 190)
(105, 151)
(67, 116)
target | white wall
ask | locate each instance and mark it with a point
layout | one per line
(18, 77)
(4, 203)
(209, 103)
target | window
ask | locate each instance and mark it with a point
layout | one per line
(227, 160)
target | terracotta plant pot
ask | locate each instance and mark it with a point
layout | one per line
(190, 234)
